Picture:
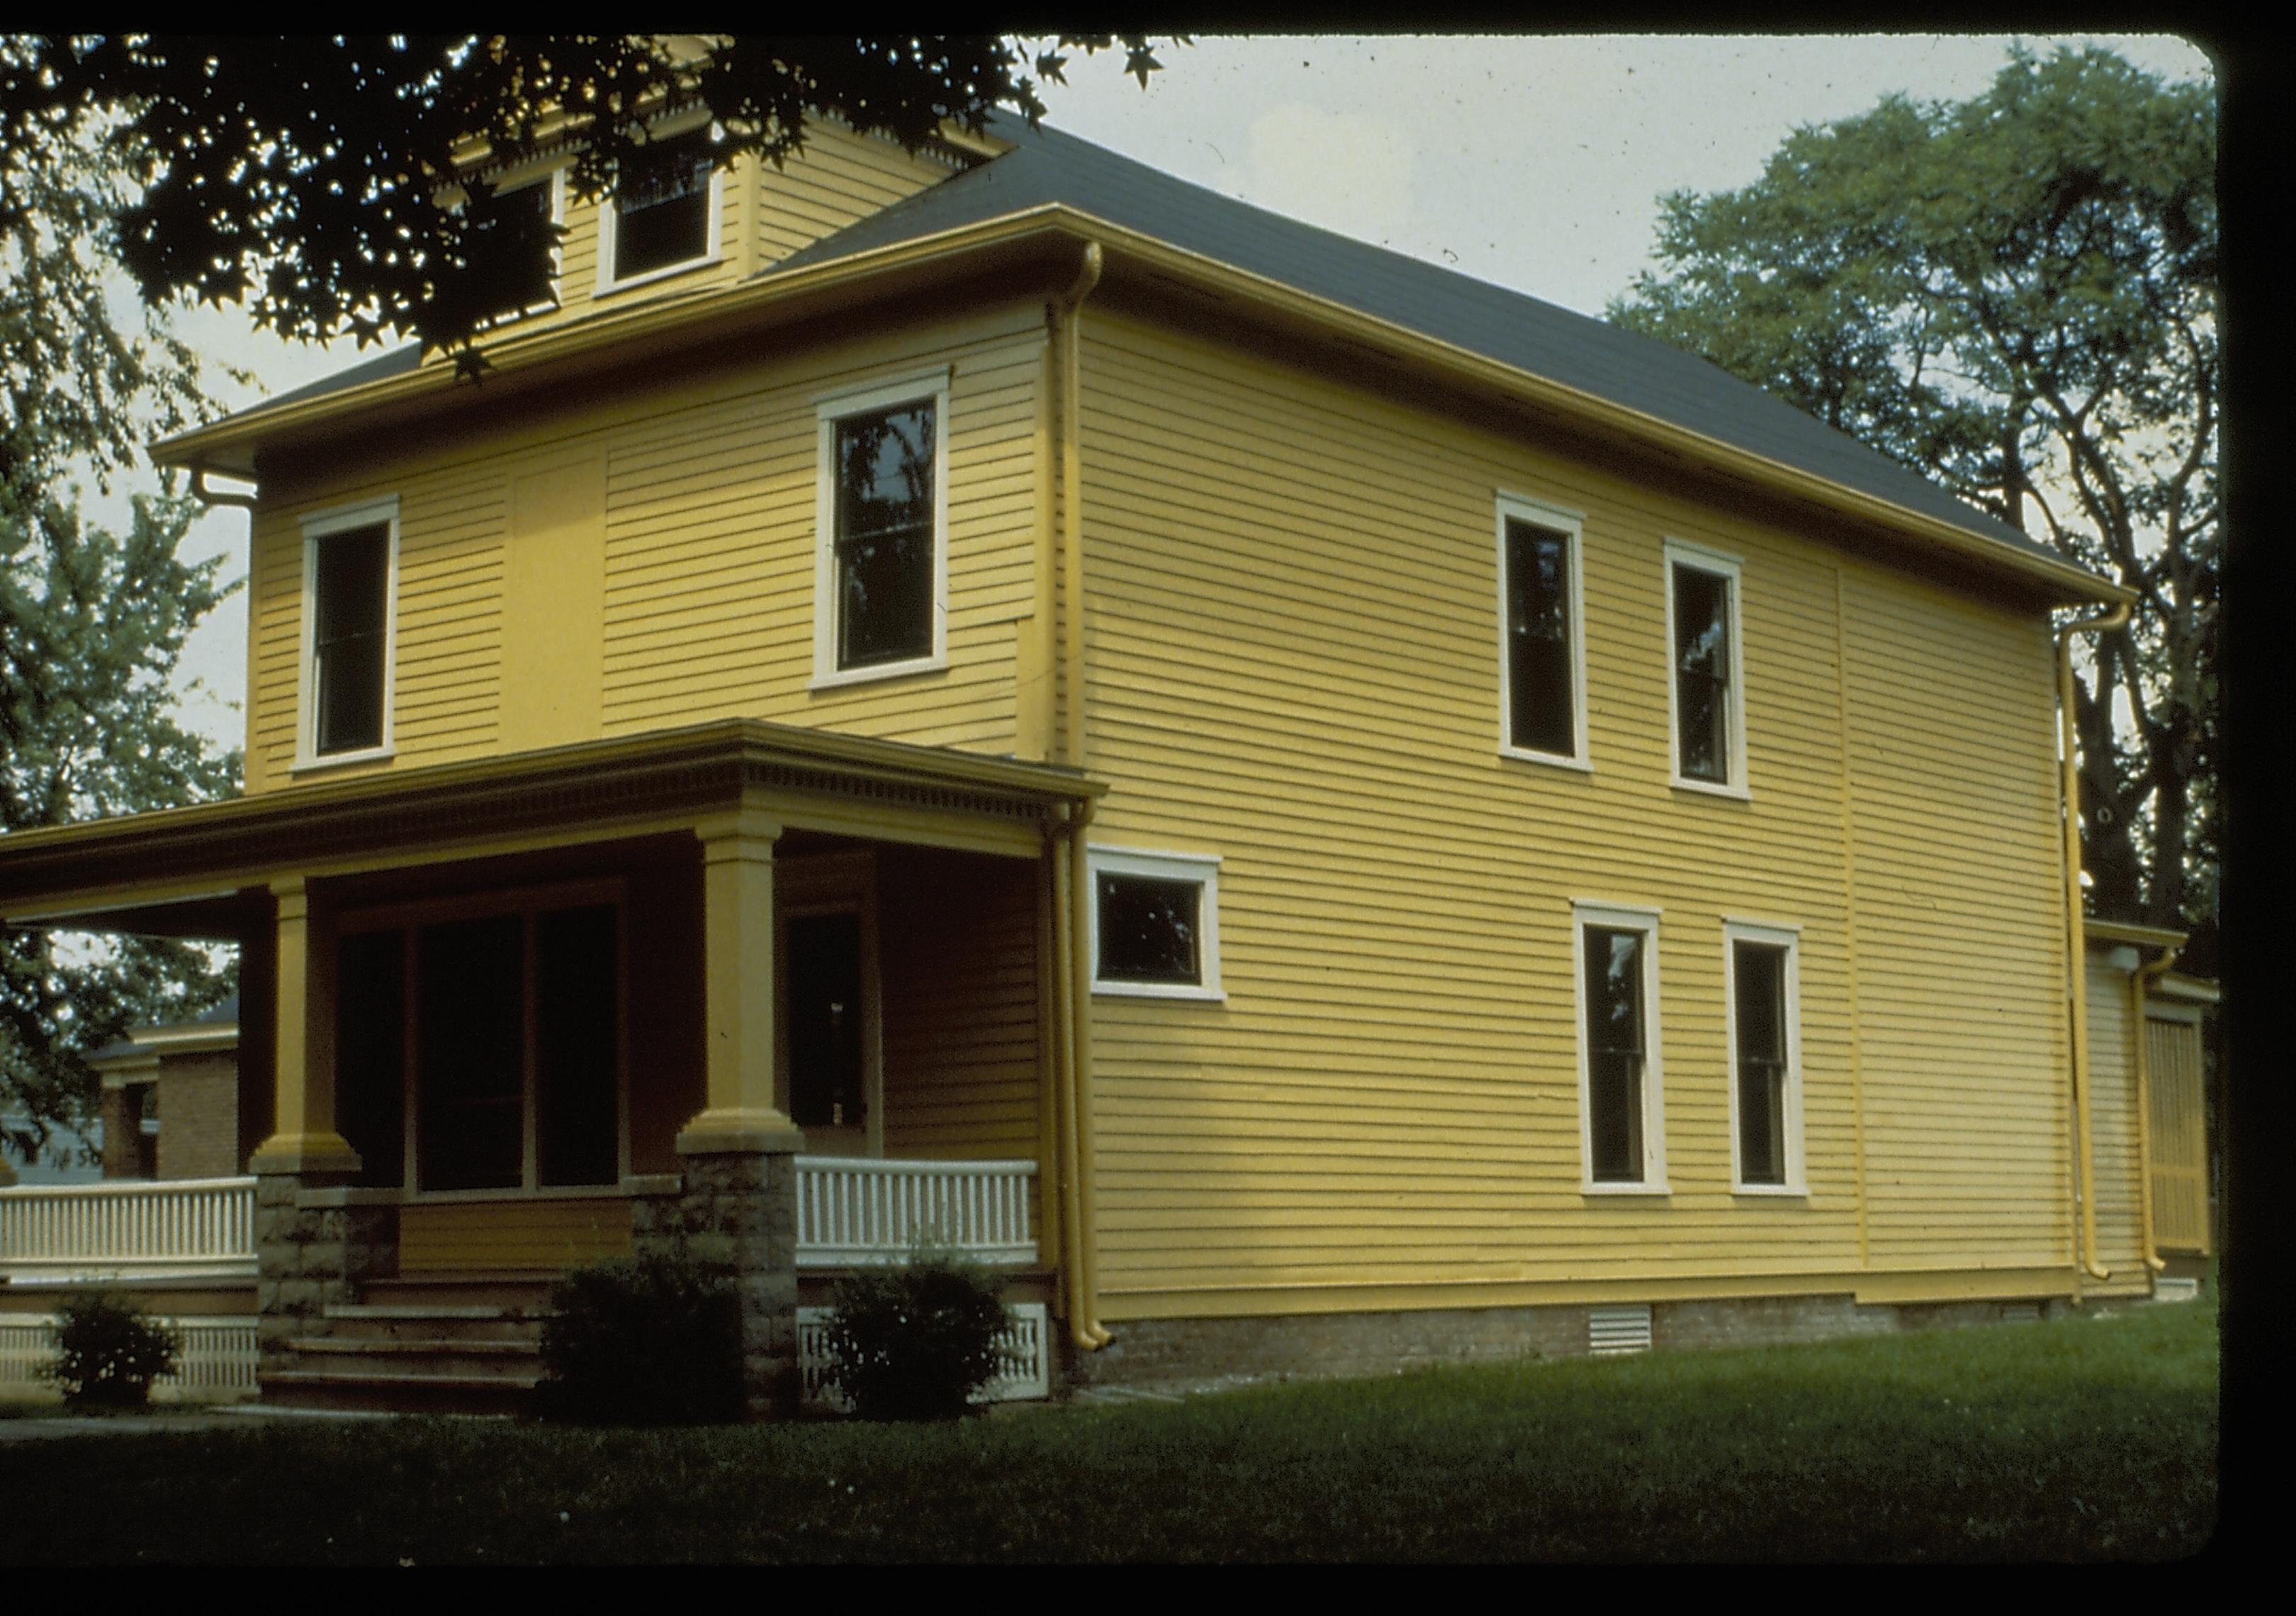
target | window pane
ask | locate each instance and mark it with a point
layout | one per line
(825, 1012)
(503, 254)
(1148, 930)
(1539, 638)
(662, 207)
(578, 1046)
(1614, 1043)
(470, 1044)
(1701, 662)
(371, 1052)
(350, 592)
(885, 536)
(1762, 1016)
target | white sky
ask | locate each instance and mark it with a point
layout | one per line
(1533, 162)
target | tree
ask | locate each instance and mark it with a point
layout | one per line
(304, 177)
(2016, 296)
(91, 623)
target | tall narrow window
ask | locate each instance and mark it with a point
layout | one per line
(1766, 1087)
(882, 587)
(349, 558)
(1708, 707)
(1618, 1046)
(662, 208)
(1542, 665)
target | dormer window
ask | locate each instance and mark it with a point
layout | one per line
(663, 217)
(529, 284)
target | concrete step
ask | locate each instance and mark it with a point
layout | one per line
(391, 1363)
(401, 1392)
(529, 1293)
(360, 1322)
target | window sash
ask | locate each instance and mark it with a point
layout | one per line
(1151, 930)
(1539, 650)
(661, 208)
(351, 597)
(1701, 665)
(884, 536)
(1617, 1043)
(1759, 974)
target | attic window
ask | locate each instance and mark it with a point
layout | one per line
(663, 210)
(528, 280)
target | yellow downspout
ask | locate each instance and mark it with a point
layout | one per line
(2140, 984)
(1080, 1329)
(1084, 1322)
(2076, 927)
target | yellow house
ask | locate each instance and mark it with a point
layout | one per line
(1327, 814)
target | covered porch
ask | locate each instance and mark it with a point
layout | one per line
(794, 1000)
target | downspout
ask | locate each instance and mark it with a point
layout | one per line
(2076, 927)
(2140, 986)
(1084, 1322)
(1071, 1192)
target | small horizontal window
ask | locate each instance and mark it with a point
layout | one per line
(1155, 920)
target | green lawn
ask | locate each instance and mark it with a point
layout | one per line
(2084, 1438)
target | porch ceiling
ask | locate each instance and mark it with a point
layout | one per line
(175, 872)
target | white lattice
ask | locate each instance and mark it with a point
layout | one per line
(218, 1360)
(1024, 1351)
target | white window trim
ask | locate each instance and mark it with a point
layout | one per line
(610, 218)
(1201, 868)
(1774, 935)
(1718, 563)
(316, 528)
(1620, 917)
(829, 409)
(1572, 524)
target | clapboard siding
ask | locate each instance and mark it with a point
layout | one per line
(1293, 664)
(958, 957)
(2114, 1143)
(708, 606)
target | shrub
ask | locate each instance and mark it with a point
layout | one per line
(108, 1351)
(915, 1341)
(655, 1340)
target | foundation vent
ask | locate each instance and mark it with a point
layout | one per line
(2021, 1313)
(2176, 1290)
(1611, 1329)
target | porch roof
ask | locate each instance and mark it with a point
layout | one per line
(181, 871)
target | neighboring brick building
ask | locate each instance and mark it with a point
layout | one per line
(171, 1099)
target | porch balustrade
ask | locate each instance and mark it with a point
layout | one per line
(857, 1211)
(192, 1228)
(851, 1212)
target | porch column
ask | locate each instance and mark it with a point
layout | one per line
(303, 1139)
(738, 1205)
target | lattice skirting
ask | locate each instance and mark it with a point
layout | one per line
(1024, 1351)
(217, 1362)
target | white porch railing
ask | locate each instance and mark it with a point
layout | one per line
(855, 1211)
(218, 1363)
(128, 1228)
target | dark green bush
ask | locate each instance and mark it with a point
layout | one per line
(656, 1341)
(915, 1341)
(108, 1351)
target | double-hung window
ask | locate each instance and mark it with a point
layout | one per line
(1762, 967)
(1542, 651)
(664, 213)
(1622, 1133)
(1707, 687)
(881, 580)
(1155, 924)
(350, 565)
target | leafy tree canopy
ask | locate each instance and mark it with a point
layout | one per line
(304, 177)
(2017, 296)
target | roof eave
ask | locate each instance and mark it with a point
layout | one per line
(229, 446)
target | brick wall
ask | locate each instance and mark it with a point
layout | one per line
(199, 1117)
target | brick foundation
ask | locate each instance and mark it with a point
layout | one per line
(1150, 1352)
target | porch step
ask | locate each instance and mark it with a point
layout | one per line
(440, 1361)
(438, 1344)
(525, 1291)
(400, 1392)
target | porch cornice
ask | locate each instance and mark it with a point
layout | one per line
(657, 781)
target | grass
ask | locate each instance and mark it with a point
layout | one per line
(2085, 1439)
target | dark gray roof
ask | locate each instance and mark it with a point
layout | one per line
(1593, 355)
(1590, 355)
